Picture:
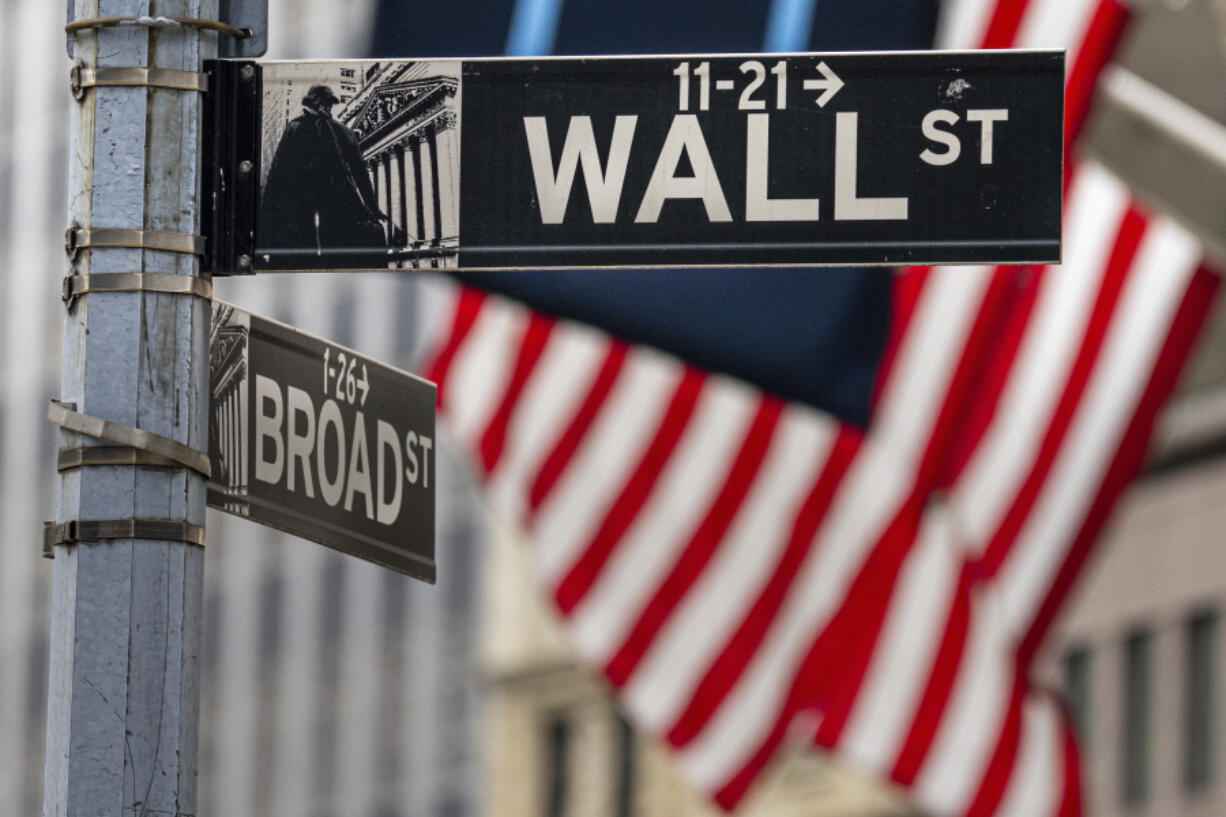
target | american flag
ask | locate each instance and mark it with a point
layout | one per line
(748, 572)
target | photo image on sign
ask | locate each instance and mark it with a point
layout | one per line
(229, 365)
(360, 165)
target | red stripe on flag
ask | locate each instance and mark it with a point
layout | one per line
(940, 684)
(564, 449)
(1070, 796)
(1000, 768)
(1005, 23)
(467, 307)
(906, 292)
(625, 508)
(976, 416)
(1185, 328)
(1129, 238)
(702, 544)
(1102, 35)
(530, 347)
(717, 681)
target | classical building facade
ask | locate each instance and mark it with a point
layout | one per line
(406, 123)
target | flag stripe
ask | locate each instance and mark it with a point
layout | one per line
(687, 488)
(761, 548)
(1086, 61)
(467, 307)
(742, 642)
(530, 347)
(699, 550)
(552, 397)
(634, 494)
(876, 484)
(604, 460)
(563, 451)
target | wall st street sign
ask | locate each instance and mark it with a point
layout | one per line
(807, 159)
(321, 442)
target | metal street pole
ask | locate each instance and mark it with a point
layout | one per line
(125, 642)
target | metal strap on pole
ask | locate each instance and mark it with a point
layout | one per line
(83, 78)
(72, 458)
(91, 530)
(77, 285)
(65, 416)
(160, 22)
(80, 238)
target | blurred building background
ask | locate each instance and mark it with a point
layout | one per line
(332, 687)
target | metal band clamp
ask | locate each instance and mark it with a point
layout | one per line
(65, 416)
(72, 458)
(160, 22)
(79, 238)
(88, 530)
(83, 78)
(77, 285)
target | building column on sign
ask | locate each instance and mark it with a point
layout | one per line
(372, 168)
(443, 142)
(418, 209)
(385, 160)
(402, 210)
(428, 182)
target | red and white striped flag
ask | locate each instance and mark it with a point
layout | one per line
(746, 570)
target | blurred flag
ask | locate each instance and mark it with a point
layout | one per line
(747, 570)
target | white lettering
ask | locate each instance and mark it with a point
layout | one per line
(684, 136)
(758, 204)
(426, 445)
(604, 187)
(388, 440)
(410, 446)
(953, 145)
(847, 205)
(331, 488)
(298, 446)
(268, 427)
(359, 469)
(985, 118)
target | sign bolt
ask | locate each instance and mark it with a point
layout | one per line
(248, 73)
(245, 167)
(244, 262)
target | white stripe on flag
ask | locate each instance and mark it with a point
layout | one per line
(481, 369)
(971, 723)
(664, 682)
(1165, 262)
(917, 619)
(869, 496)
(1037, 775)
(1097, 203)
(552, 396)
(685, 490)
(964, 23)
(905, 654)
(604, 462)
(1056, 24)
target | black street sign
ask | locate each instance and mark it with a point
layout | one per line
(808, 159)
(319, 441)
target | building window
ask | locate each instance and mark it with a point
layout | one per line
(1137, 701)
(1199, 713)
(557, 765)
(1076, 666)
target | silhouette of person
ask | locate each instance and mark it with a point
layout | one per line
(318, 195)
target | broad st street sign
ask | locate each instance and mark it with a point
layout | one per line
(319, 441)
(805, 159)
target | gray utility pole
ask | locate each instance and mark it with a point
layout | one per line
(123, 715)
